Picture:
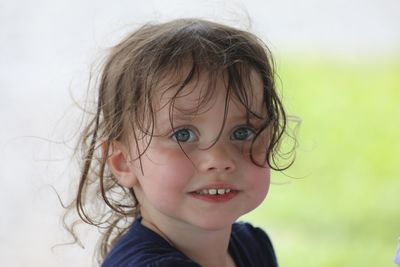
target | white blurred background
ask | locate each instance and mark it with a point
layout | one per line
(46, 50)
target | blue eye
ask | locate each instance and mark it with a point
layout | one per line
(183, 135)
(242, 134)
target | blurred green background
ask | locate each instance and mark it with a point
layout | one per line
(339, 205)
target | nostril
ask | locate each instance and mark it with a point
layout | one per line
(227, 168)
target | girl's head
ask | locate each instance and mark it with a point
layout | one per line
(187, 68)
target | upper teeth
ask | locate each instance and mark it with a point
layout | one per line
(213, 191)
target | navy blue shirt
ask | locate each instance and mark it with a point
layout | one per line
(141, 247)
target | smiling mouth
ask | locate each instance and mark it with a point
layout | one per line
(215, 195)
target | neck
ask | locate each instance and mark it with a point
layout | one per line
(205, 247)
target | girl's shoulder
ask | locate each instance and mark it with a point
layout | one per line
(141, 247)
(251, 246)
(247, 231)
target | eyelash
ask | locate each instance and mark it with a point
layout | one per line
(192, 134)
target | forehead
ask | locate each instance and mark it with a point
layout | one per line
(205, 88)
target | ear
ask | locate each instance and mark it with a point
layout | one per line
(119, 163)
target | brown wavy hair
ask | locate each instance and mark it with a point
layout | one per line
(124, 105)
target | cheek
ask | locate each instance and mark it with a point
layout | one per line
(260, 181)
(259, 151)
(166, 172)
(170, 165)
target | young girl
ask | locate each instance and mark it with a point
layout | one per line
(181, 145)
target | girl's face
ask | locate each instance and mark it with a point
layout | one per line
(196, 183)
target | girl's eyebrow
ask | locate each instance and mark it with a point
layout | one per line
(182, 117)
(166, 120)
(248, 116)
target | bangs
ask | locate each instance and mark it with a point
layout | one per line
(237, 82)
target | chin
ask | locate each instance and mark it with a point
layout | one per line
(214, 224)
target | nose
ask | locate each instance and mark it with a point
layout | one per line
(216, 159)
